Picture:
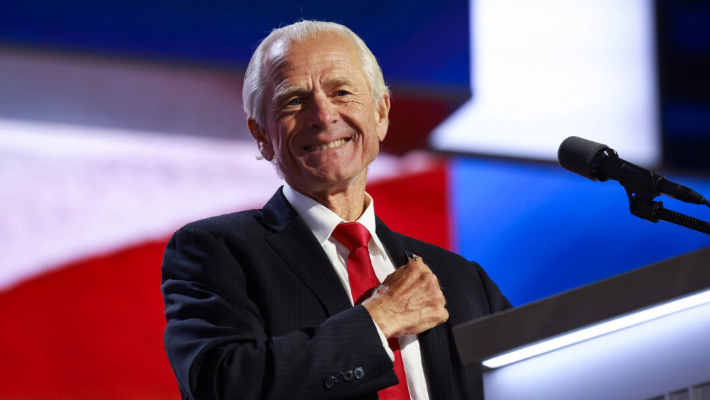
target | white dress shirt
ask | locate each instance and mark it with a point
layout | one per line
(322, 222)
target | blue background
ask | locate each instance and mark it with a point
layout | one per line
(540, 230)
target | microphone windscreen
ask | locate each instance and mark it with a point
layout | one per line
(576, 155)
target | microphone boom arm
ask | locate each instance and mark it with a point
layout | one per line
(642, 187)
(641, 204)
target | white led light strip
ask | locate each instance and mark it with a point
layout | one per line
(598, 330)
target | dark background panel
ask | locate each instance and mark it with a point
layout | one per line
(421, 43)
(683, 28)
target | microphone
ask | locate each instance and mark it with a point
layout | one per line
(598, 162)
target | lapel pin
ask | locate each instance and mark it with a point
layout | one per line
(413, 257)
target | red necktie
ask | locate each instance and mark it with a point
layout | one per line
(362, 281)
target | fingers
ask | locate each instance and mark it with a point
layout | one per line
(409, 301)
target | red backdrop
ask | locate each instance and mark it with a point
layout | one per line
(93, 329)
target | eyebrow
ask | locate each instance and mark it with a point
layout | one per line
(286, 92)
(340, 80)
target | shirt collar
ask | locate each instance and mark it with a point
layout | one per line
(321, 220)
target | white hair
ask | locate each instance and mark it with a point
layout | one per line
(255, 78)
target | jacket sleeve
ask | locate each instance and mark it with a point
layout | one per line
(216, 342)
(496, 300)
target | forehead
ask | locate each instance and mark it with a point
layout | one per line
(323, 53)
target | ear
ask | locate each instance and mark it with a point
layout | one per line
(266, 148)
(382, 112)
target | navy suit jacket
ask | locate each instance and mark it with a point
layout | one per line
(255, 310)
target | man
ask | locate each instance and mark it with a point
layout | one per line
(286, 302)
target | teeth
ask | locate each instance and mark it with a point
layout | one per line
(330, 145)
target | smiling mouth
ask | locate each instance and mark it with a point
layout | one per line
(333, 144)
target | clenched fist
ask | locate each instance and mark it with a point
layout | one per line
(408, 302)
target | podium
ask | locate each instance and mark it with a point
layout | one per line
(640, 335)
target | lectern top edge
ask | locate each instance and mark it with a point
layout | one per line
(588, 305)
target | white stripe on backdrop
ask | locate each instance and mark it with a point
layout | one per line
(70, 192)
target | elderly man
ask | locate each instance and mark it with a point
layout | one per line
(313, 297)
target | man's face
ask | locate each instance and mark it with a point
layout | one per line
(322, 126)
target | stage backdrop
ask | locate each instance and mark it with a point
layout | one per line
(120, 122)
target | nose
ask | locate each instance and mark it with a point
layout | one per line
(322, 112)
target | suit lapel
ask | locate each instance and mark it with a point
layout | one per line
(300, 250)
(434, 343)
(394, 244)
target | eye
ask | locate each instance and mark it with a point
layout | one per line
(341, 93)
(295, 102)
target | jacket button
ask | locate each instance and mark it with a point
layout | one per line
(348, 375)
(329, 382)
(359, 373)
(338, 377)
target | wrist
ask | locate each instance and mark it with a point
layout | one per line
(372, 305)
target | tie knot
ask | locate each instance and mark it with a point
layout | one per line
(352, 235)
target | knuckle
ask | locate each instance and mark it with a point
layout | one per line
(432, 315)
(432, 283)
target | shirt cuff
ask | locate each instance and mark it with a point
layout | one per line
(384, 341)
